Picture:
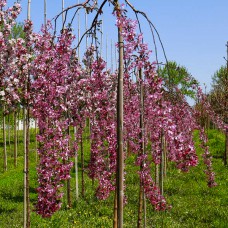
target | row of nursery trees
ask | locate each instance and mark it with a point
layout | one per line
(134, 110)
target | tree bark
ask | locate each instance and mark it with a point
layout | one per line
(68, 180)
(120, 154)
(82, 163)
(142, 149)
(4, 139)
(161, 174)
(76, 167)
(15, 139)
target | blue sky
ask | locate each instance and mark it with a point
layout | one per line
(194, 33)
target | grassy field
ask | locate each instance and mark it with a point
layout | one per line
(193, 203)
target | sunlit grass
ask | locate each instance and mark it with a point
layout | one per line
(193, 203)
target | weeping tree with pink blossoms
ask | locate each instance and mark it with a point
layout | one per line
(126, 113)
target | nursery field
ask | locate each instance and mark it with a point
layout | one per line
(193, 203)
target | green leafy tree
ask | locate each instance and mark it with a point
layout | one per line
(219, 99)
(178, 76)
(18, 31)
(219, 92)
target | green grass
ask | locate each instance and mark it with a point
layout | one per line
(193, 203)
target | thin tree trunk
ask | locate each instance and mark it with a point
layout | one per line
(140, 208)
(79, 34)
(4, 138)
(63, 14)
(86, 27)
(26, 169)
(9, 135)
(115, 211)
(68, 194)
(101, 37)
(157, 174)
(120, 154)
(106, 49)
(226, 111)
(144, 209)
(165, 157)
(226, 147)
(161, 174)
(15, 139)
(27, 165)
(76, 167)
(142, 149)
(26, 145)
(82, 164)
(111, 57)
(45, 12)
(36, 146)
(68, 180)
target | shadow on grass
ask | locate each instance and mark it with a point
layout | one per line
(8, 196)
(4, 210)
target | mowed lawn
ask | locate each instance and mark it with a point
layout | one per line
(193, 203)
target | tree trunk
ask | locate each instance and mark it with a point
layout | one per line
(26, 165)
(76, 167)
(68, 180)
(226, 147)
(45, 12)
(82, 163)
(142, 149)
(161, 174)
(9, 135)
(120, 154)
(4, 138)
(15, 139)
(115, 211)
(36, 146)
(157, 174)
(144, 209)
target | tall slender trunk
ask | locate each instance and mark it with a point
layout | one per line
(26, 119)
(79, 34)
(115, 220)
(25, 163)
(86, 27)
(9, 135)
(36, 144)
(226, 111)
(4, 138)
(15, 139)
(144, 209)
(111, 57)
(161, 173)
(76, 167)
(226, 147)
(101, 45)
(142, 148)
(157, 174)
(68, 180)
(106, 50)
(165, 157)
(26, 167)
(120, 154)
(63, 14)
(45, 12)
(82, 164)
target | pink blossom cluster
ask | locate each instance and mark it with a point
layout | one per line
(51, 86)
(205, 104)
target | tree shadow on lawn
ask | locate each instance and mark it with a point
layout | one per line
(18, 198)
(7, 211)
